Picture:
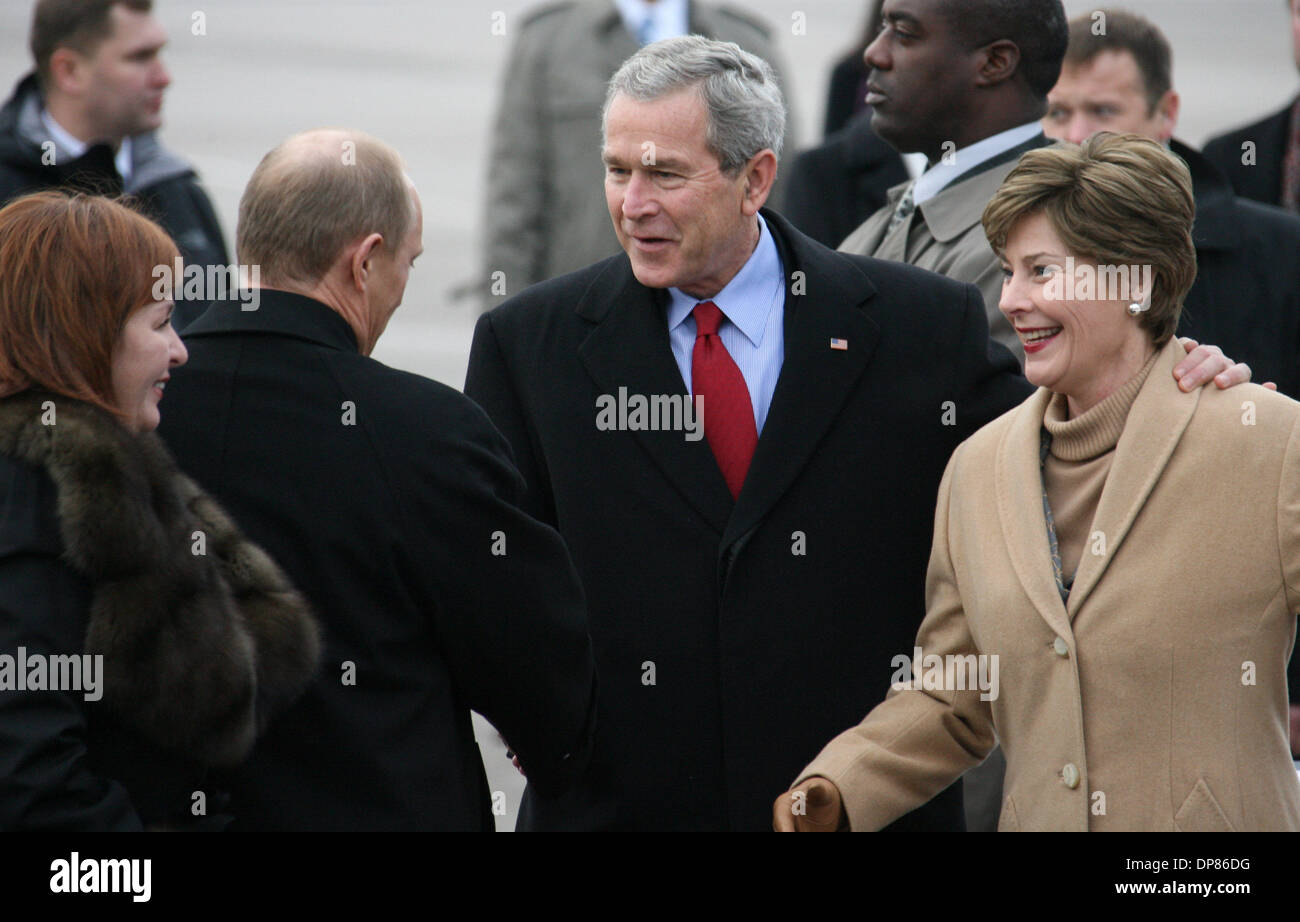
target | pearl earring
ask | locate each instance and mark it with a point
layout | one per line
(1135, 308)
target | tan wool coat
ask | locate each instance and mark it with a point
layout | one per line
(1156, 698)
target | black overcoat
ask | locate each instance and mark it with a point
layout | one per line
(391, 502)
(1260, 178)
(734, 639)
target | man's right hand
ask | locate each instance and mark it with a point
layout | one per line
(814, 806)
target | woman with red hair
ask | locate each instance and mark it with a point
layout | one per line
(143, 640)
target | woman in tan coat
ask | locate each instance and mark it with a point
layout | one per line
(1078, 610)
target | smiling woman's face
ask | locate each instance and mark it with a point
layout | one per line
(1084, 349)
(147, 349)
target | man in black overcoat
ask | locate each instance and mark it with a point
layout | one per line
(734, 634)
(392, 503)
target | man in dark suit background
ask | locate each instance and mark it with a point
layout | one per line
(1262, 160)
(391, 502)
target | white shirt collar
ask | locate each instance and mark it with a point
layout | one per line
(75, 147)
(667, 18)
(938, 177)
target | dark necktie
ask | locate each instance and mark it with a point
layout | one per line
(728, 413)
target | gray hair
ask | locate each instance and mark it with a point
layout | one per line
(746, 112)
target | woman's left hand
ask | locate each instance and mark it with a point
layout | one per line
(1206, 363)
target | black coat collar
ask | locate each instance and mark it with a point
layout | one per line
(281, 312)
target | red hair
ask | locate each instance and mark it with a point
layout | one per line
(73, 268)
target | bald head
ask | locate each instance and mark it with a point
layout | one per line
(315, 195)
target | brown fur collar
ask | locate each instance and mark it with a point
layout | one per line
(200, 650)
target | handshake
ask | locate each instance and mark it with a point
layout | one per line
(812, 806)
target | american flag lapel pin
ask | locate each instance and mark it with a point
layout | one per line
(840, 344)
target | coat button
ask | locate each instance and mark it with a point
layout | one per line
(1070, 775)
(1061, 647)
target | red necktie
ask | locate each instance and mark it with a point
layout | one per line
(728, 413)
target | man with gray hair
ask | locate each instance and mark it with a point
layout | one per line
(747, 590)
(391, 501)
(543, 215)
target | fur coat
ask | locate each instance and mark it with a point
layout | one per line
(203, 637)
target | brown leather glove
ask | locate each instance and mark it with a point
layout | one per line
(814, 806)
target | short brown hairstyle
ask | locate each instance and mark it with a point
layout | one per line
(1119, 199)
(77, 24)
(73, 268)
(313, 195)
(1129, 32)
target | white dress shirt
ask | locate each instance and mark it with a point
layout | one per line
(941, 175)
(74, 147)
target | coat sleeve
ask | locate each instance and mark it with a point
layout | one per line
(918, 740)
(45, 781)
(511, 619)
(514, 220)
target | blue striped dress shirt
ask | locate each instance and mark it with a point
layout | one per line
(754, 333)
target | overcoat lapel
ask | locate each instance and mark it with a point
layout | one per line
(822, 302)
(1156, 423)
(629, 347)
(1019, 487)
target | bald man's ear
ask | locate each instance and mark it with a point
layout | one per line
(760, 174)
(362, 262)
(997, 62)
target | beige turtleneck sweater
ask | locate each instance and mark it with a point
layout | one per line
(1079, 462)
